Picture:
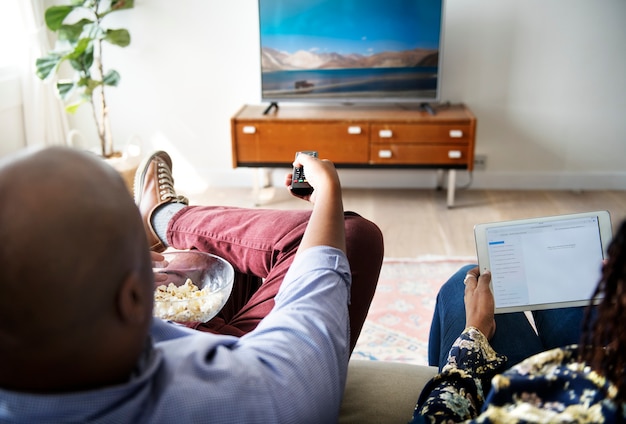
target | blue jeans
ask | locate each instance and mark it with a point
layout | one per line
(514, 335)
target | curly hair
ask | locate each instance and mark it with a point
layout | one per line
(603, 342)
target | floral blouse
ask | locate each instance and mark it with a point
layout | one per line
(548, 387)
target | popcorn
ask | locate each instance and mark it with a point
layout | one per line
(186, 303)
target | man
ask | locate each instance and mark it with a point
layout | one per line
(77, 338)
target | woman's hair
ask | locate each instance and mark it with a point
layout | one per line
(603, 343)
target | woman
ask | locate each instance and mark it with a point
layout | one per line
(583, 383)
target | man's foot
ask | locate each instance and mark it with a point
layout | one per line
(154, 187)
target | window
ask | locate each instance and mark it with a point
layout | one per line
(14, 34)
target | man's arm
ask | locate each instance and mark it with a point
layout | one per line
(299, 352)
(326, 225)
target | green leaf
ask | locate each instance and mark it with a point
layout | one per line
(83, 46)
(46, 65)
(93, 31)
(81, 58)
(65, 89)
(73, 107)
(72, 33)
(87, 86)
(92, 85)
(117, 5)
(119, 37)
(55, 15)
(122, 4)
(112, 78)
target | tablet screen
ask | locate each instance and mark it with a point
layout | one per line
(544, 263)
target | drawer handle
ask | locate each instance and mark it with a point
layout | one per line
(384, 154)
(354, 129)
(249, 129)
(456, 133)
(385, 133)
(454, 154)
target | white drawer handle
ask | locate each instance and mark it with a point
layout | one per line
(385, 133)
(385, 154)
(456, 133)
(249, 129)
(354, 130)
(454, 154)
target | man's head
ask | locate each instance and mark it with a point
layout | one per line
(75, 278)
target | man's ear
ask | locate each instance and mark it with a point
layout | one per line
(134, 302)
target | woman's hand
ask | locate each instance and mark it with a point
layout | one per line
(479, 302)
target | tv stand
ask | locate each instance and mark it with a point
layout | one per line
(428, 108)
(272, 105)
(381, 137)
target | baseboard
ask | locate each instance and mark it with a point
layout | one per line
(551, 180)
(410, 178)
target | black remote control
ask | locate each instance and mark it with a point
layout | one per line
(299, 184)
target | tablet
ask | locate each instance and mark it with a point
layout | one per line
(544, 263)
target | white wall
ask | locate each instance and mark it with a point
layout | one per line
(545, 78)
(547, 81)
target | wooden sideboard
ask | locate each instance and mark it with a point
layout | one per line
(357, 137)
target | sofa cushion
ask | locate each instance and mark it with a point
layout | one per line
(382, 392)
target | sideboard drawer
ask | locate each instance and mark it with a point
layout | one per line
(420, 133)
(264, 142)
(415, 154)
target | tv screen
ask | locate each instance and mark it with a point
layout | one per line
(351, 50)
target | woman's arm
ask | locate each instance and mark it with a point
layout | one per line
(456, 394)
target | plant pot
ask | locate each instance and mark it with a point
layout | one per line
(125, 162)
(126, 165)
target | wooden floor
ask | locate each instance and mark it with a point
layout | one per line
(418, 222)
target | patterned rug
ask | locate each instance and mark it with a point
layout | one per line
(398, 322)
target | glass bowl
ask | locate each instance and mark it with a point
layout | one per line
(191, 286)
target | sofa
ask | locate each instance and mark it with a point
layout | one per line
(382, 392)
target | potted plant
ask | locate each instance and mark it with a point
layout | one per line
(80, 38)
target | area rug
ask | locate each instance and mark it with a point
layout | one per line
(398, 322)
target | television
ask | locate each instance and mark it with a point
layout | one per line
(351, 51)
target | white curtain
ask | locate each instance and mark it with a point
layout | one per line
(46, 121)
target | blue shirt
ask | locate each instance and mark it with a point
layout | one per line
(291, 368)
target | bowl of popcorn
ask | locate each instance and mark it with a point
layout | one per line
(191, 286)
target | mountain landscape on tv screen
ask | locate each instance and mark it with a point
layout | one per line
(274, 60)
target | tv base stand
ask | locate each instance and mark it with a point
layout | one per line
(428, 108)
(365, 137)
(272, 105)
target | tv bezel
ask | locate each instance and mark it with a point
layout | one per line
(374, 100)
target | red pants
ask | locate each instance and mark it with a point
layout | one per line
(261, 244)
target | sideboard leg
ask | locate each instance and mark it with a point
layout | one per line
(439, 179)
(262, 179)
(451, 186)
